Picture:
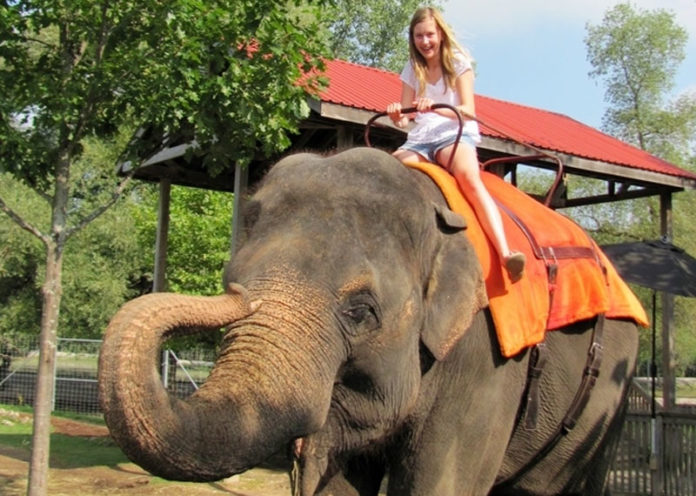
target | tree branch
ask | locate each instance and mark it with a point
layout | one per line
(22, 223)
(102, 208)
(38, 41)
(40, 193)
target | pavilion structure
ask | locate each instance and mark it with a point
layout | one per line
(513, 136)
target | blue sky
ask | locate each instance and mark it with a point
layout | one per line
(533, 52)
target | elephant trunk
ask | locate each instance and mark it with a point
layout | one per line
(206, 437)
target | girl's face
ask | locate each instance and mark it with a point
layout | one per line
(427, 38)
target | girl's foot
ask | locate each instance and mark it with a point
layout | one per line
(514, 264)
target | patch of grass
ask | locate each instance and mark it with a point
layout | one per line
(66, 451)
(76, 452)
(14, 423)
(81, 417)
(686, 389)
(4, 409)
(15, 429)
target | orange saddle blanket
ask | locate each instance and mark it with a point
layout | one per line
(567, 276)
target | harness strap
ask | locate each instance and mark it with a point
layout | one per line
(589, 378)
(582, 396)
(549, 252)
(537, 360)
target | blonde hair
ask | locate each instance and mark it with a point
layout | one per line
(449, 48)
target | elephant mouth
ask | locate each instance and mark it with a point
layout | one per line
(296, 448)
(309, 466)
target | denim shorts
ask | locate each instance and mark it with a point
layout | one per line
(429, 150)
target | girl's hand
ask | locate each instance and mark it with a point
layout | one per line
(394, 112)
(423, 104)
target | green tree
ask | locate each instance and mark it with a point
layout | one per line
(636, 54)
(199, 236)
(103, 263)
(226, 72)
(371, 33)
(198, 245)
(20, 262)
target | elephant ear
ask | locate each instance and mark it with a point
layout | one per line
(455, 288)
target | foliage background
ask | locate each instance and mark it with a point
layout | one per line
(111, 260)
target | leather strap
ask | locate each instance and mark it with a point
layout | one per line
(549, 252)
(537, 360)
(589, 378)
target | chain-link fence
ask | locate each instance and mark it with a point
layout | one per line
(76, 372)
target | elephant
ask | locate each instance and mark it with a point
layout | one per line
(357, 337)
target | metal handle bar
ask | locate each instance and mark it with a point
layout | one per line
(539, 152)
(414, 109)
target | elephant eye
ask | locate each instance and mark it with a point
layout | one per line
(362, 311)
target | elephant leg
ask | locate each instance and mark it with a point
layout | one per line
(456, 446)
(594, 479)
(361, 476)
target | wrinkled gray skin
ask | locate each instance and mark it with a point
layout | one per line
(358, 338)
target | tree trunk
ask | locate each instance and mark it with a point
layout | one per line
(45, 382)
(51, 294)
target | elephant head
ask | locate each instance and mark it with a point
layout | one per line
(353, 279)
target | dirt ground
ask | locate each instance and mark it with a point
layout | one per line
(127, 478)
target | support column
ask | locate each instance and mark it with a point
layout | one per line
(344, 138)
(668, 365)
(162, 237)
(241, 182)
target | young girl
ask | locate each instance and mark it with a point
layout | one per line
(440, 71)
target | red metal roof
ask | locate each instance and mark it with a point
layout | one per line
(371, 89)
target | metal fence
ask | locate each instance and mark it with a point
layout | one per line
(76, 373)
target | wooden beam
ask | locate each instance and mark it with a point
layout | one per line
(610, 197)
(170, 153)
(576, 165)
(583, 166)
(350, 114)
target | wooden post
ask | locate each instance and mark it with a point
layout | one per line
(668, 386)
(162, 236)
(241, 181)
(657, 475)
(344, 138)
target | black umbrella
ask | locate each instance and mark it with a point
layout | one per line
(658, 265)
(655, 264)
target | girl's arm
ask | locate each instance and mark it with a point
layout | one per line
(464, 85)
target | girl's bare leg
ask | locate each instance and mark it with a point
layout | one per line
(465, 169)
(409, 156)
